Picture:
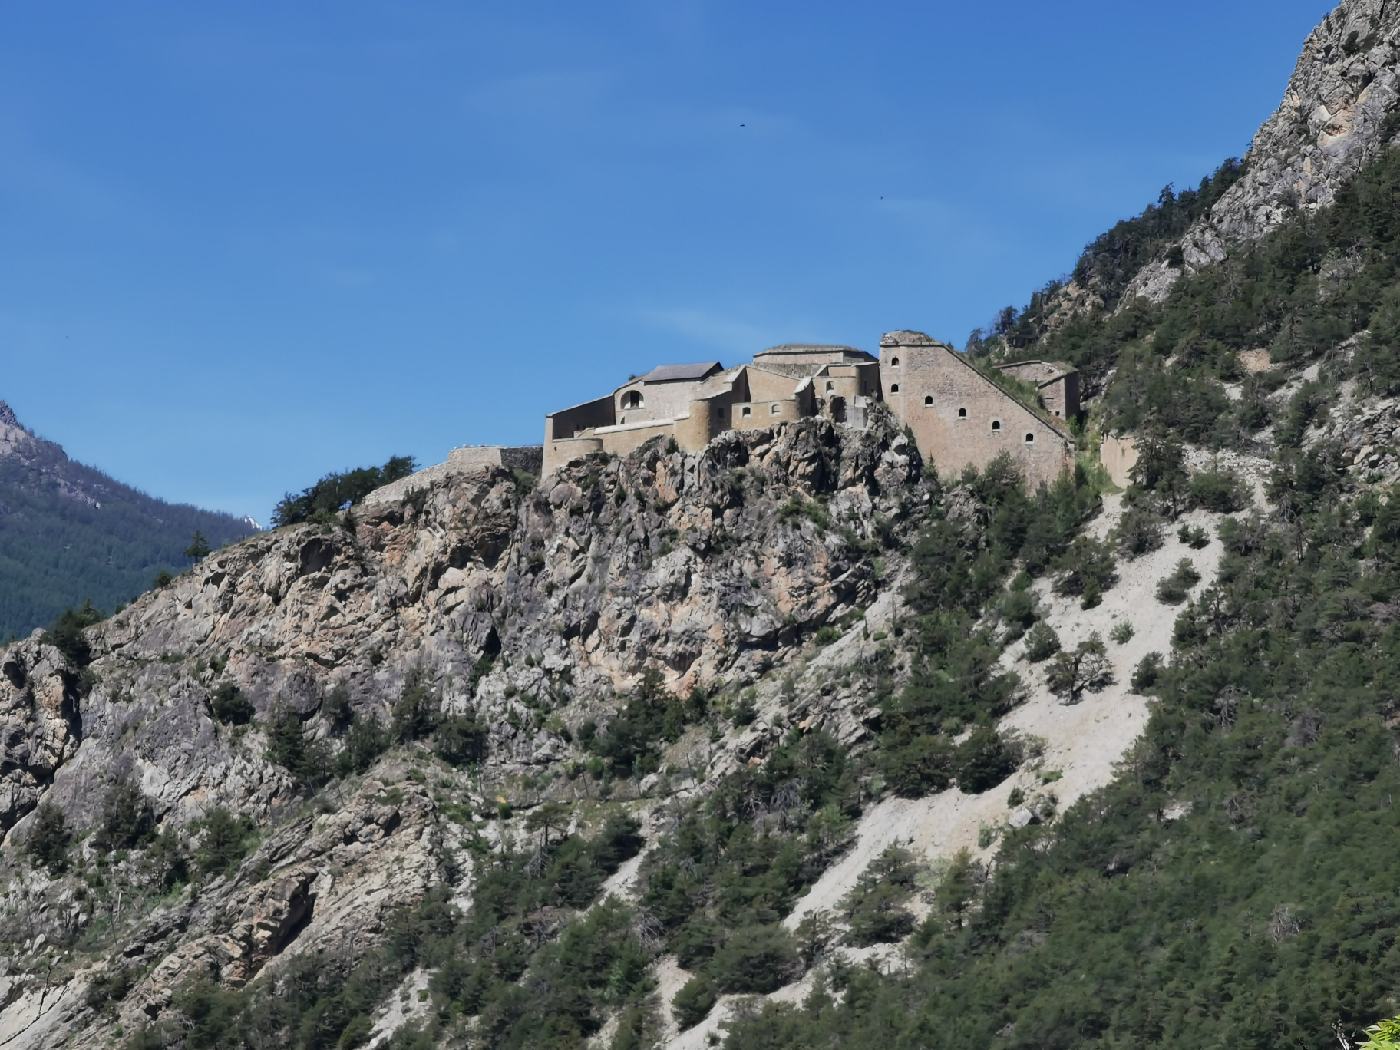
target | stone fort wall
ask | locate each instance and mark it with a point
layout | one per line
(960, 418)
(527, 458)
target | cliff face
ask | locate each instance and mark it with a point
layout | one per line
(529, 609)
(1337, 112)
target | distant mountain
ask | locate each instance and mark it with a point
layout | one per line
(69, 532)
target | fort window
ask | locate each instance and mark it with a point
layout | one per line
(774, 409)
(894, 362)
(830, 385)
(746, 410)
(632, 399)
(962, 413)
(894, 388)
(996, 424)
(928, 399)
(1030, 439)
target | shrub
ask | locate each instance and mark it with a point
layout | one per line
(757, 959)
(128, 819)
(1086, 668)
(1193, 536)
(1220, 491)
(918, 767)
(1041, 642)
(336, 491)
(337, 708)
(229, 706)
(875, 912)
(365, 742)
(1017, 612)
(1086, 570)
(1122, 632)
(984, 760)
(289, 747)
(1173, 589)
(1384, 1035)
(1148, 670)
(694, 1001)
(68, 634)
(415, 713)
(460, 740)
(49, 839)
(1138, 532)
(224, 840)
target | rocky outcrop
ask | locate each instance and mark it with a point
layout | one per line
(532, 609)
(39, 725)
(1336, 113)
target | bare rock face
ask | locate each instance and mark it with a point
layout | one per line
(39, 725)
(1334, 117)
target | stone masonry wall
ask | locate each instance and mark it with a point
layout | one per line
(959, 418)
(528, 458)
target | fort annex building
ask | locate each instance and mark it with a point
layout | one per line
(959, 417)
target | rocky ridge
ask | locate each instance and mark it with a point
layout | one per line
(1337, 112)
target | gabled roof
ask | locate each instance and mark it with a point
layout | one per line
(669, 373)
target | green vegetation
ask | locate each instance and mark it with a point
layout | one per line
(1316, 281)
(49, 839)
(128, 820)
(67, 634)
(1113, 258)
(56, 552)
(1384, 1035)
(1173, 589)
(694, 1001)
(1085, 668)
(597, 964)
(337, 491)
(1118, 928)
(874, 910)
(955, 678)
(1041, 642)
(224, 840)
(631, 743)
(229, 706)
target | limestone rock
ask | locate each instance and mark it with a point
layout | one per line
(1335, 116)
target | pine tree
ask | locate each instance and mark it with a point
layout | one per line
(198, 548)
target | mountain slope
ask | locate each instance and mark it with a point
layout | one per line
(69, 533)
(787, 743)
(1342, 104)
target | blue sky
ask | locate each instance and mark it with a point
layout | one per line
(247, 244)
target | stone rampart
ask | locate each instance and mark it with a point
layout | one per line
(527, 458)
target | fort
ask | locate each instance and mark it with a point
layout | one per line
(959, 416)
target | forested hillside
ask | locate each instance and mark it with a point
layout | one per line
(69, 533)
(1234, 886)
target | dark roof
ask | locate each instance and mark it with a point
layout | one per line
(667, 373)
